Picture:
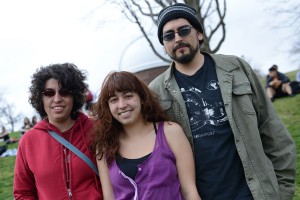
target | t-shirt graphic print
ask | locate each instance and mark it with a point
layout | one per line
(216, 157)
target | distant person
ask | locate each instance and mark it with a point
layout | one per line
(242, 148)
(27, 125)
(278, 84)
(141, 155)
(275, 67)
(46, 169)
(90, 111)
(34, 121)
(5, 136)
(89, 97)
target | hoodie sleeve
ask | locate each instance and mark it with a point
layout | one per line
(24, 182)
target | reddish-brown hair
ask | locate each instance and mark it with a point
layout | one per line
(107, 129)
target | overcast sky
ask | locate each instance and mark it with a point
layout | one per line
(37, 33)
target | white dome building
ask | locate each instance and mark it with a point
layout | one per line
(139, 58)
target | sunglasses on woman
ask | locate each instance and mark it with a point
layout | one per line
(52, 92)
(182, 32)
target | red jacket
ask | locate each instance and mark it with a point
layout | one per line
(41, 172)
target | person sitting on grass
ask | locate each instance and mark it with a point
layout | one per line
(5, 136)
(278, 85)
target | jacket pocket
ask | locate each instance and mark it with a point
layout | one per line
(242, 93)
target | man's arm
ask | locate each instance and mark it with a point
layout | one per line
(277, 142)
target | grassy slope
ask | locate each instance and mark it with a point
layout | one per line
(287, 108)
(7, 172)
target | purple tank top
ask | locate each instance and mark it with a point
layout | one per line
(157, 177)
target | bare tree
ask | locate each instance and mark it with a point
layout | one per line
(288, 13)
(211, 14)
(296, 48)
(7, 113)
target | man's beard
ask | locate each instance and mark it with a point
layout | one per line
(186, 58)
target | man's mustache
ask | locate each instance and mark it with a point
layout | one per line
(180, 45)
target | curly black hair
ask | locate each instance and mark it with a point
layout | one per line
(68, 76)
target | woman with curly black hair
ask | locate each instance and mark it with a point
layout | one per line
(46, 169)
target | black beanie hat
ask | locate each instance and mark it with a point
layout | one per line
(178, 10)
(272, 69)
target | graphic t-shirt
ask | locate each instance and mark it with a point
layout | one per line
(219, 172)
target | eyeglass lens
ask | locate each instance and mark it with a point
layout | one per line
(182, 32)
(61, 92)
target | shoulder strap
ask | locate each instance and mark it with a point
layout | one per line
(74, 150)
(155, 128)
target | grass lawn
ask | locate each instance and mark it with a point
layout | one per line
(7, 171)
(287, 108)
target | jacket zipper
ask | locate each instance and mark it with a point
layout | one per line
(67, 171)
(70, 193)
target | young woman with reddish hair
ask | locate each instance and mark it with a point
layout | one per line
(140, 155)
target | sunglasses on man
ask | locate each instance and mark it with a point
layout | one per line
(182, 32)
(52, 92)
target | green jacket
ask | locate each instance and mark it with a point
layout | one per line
(264, 145)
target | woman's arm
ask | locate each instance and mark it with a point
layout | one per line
(184, 160)
(24, 181)
(107, 189)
